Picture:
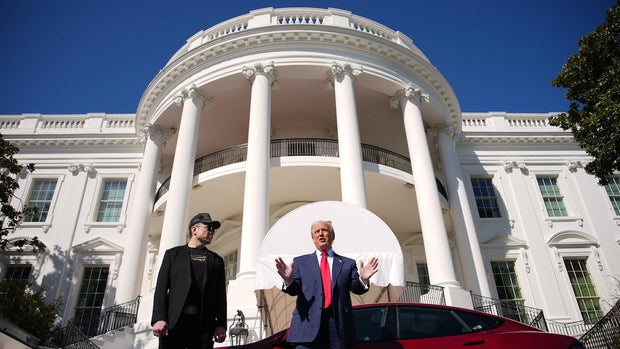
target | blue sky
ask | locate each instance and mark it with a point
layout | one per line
(80, 56)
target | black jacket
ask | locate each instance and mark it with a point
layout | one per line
(173, 284)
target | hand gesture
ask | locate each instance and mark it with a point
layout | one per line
(285, 271)
(368, 270)
(160, 328)
(220, 334)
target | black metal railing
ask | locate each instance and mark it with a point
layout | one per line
(605, 334)
(422, 293)
(299, 147)
(74, 338)
(80, 329)
(573, 328)
(512, 309)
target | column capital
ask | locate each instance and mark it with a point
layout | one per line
(267, 70)
(193, 92)
(156, 133)
(409, 93)
(338, 69)
(448, 129)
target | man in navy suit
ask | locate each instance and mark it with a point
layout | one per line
(189, 304)
(322, 320)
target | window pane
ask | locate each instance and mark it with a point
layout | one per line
(584, 290)
(372, 324)
(553, 199)
(111, 202)
(41, 199)
(613, 192)
(18, 272)
(230, 265)
(486, 201)
(90, 299)
(508, 290)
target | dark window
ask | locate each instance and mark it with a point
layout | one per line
(375, 324)
(585, 292)
(41, 199)
(552, 197)
(18, 272)
(613, 192)
(111, 201)
(90, 299)
(479, 322)
(486, 200)
(418, 322)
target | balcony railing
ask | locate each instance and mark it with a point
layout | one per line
(422, 293)
(79, 330)
(512, 309)
(606, 332)
(298, 147)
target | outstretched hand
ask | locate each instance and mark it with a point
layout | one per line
(368, 270)
(285, 270)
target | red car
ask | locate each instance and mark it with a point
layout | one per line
(426, 326)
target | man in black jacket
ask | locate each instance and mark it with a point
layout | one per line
(189, 305)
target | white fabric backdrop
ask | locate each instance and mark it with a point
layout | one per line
(360, 235)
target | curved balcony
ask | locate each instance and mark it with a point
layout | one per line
(298, 147)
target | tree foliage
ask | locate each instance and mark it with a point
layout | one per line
(28, 310)
(592, 80)
(10, 216)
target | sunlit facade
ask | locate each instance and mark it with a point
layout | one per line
(269, 114)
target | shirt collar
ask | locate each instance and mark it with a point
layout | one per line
(330, 253)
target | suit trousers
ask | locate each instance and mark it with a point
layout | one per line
(186, 334)
(327, 338)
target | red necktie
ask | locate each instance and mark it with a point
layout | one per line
(327, 283)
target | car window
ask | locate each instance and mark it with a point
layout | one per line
(479, 322)
(375, 324)
(422, 322)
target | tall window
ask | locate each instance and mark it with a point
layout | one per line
(111, 200)
(41, 199)
(423, 277)
(486, 200)
(230, 265)
(90, 299)
(552, 197)
(18, 272)
(584, 290)
(508, 290)
(613, 191)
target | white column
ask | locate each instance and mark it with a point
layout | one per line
(352, 182)
(130, 273)
(174, 229)
(256, 192)
(464, 227)
(436, 245)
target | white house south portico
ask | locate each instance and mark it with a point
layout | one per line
(279, 117)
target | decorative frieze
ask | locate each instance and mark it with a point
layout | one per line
(510, 165)
(574, 165)
(76, 168)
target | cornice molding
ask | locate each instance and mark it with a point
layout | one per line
(338, 40)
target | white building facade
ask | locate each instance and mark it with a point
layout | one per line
(281, 116)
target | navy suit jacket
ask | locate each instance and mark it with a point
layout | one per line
(173, 284)
(308, 288)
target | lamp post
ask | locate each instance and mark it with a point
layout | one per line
(238, 330)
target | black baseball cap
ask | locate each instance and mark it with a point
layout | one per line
(204, 218)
